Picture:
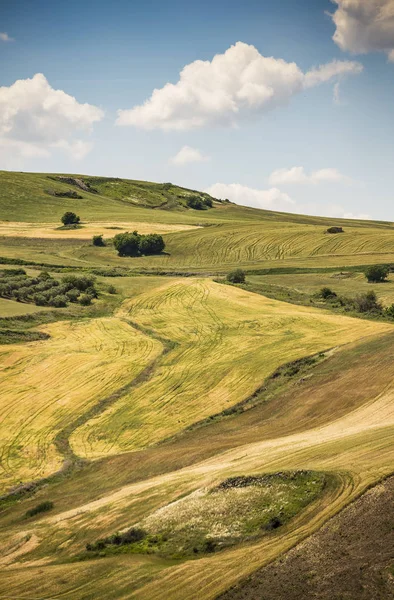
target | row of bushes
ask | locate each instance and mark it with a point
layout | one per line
(45, 290)
(118, 539)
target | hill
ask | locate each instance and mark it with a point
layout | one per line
(165, 434)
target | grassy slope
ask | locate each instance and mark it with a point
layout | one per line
(46, 384)
(227, 342)
(358, 444)
(337, 418)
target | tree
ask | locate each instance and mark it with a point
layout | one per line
(237, 276)
(151, 244)
(98, 240)
(326, 293)
(377, 273)
(335, 230)
(70, 218)
(368, 303)
(196, 203)
(127, 244)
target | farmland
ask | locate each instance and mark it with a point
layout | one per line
(182, 435)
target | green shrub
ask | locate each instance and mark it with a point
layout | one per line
(72, 295)
(326, 293)
(377, 273)
(40, 508)
(196, 203)
(85, 299)
(237, 276)
(39, 300)
(111, 289)
(151, 244)
(59, 301)
(70, 218)
(389, 311)
(127, 244)
(334, 230)
(367, 303)
(98, 240)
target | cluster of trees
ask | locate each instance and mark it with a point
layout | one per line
(199, 203)
(134, 244)
(362, 303)
(45, 290)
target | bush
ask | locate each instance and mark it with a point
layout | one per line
(72, 295)
(334, 230)
(377, 273)
(70, 218)
(85, 299)
(98, 240)
(237, 276)
(79, 283)
(197, 203)
(326, 293)
(151, 244)
(111, 289)
(40, 508)
(39, 300)
(127, 244)
(367, 303)
(59, 301)
(389, 311)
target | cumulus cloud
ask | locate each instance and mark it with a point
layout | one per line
(241, 194)
(236, 85)
(364, 26)
(297, 175)
(35, 118)
(4, 37)
(188, 155)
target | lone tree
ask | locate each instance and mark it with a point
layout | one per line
(98, 240)
(377, 273)
(70, 218)
(334, 230)
(237, 276)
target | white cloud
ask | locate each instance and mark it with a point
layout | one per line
(275, 199)
(35, 118)
(364, 26)
(188, 155)
(297, 175)
(241, 194)
(4, 37)
(236, 85)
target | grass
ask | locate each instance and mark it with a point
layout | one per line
(47, 383)
(220, 357)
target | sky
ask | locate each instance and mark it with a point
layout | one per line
(278, 104)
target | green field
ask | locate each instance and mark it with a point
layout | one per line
(224, 424)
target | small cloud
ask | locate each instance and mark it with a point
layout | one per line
(187, 155)
(4, 37)
(298, 176)
(241, 194)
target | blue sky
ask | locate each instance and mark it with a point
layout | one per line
(324, 148)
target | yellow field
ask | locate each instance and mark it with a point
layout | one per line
(46, 384)
(87, 229)
(228, 342)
